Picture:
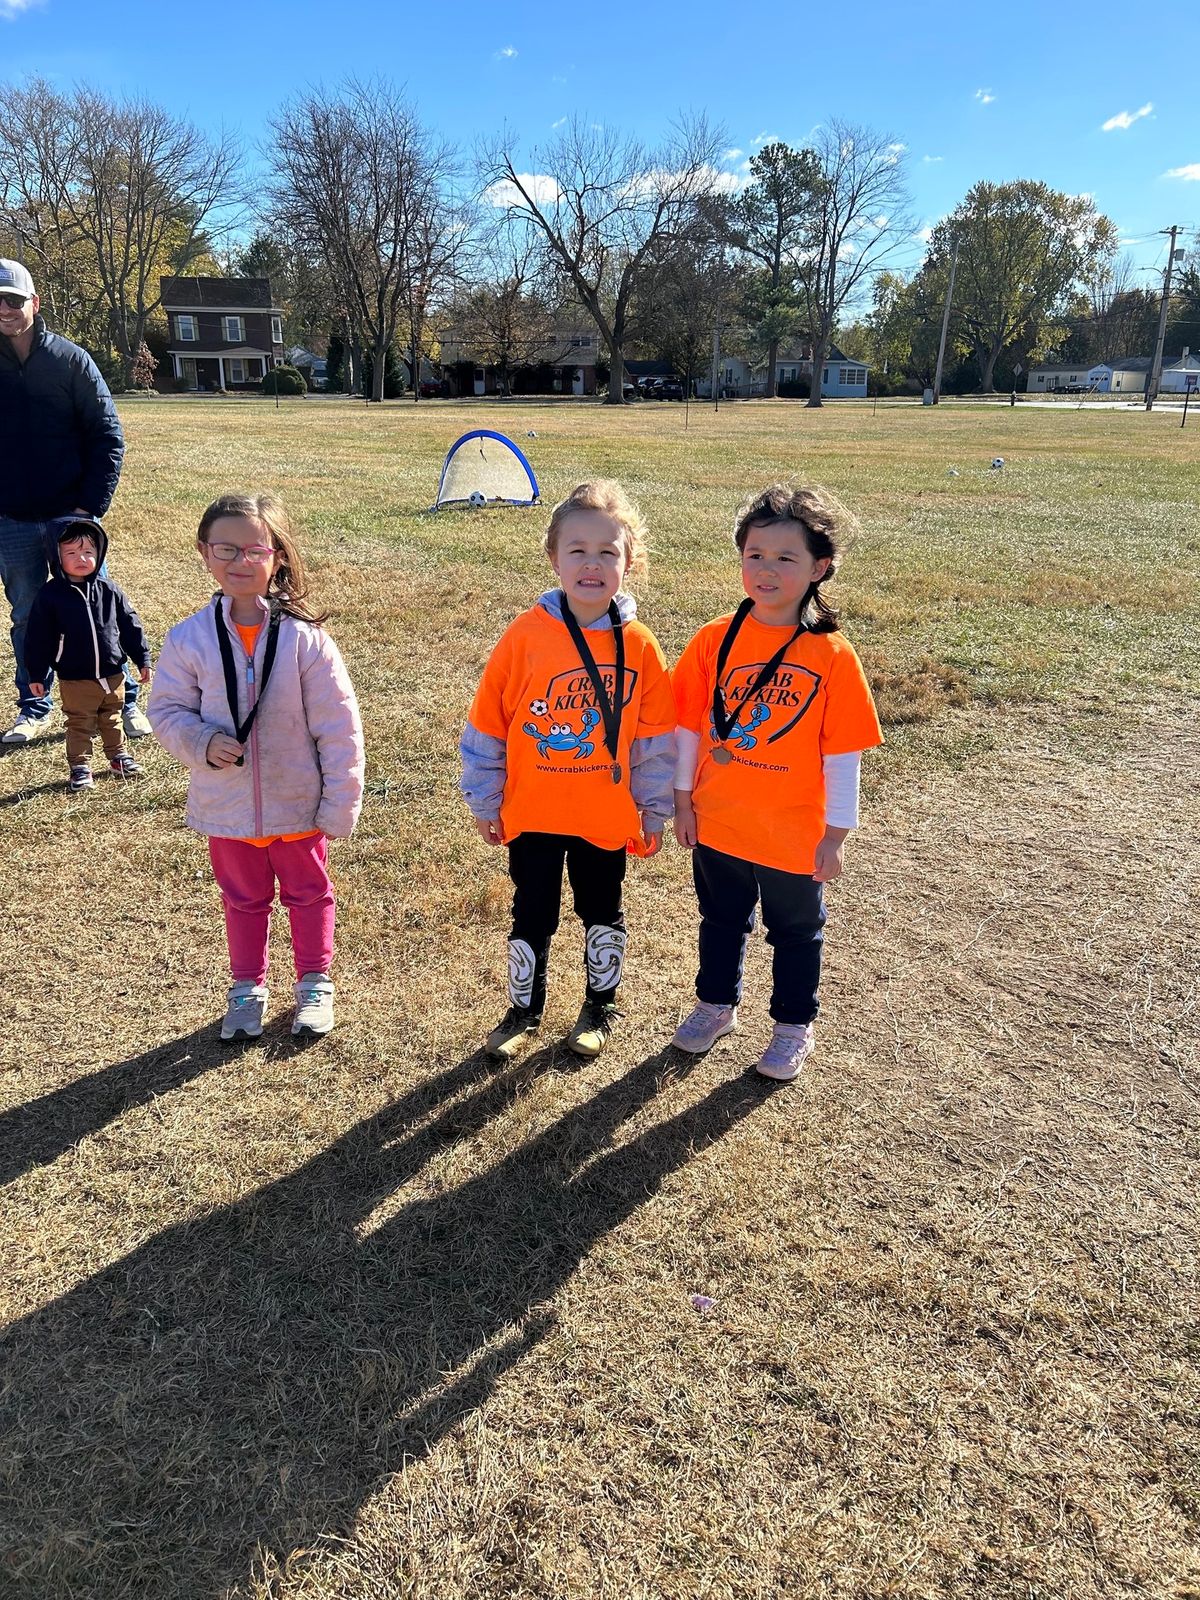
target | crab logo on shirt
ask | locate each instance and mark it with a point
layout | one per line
(784, 700)
(561, 736)
(741, 735)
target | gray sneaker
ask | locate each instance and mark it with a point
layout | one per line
(314, 1004)
(24, 729)
(244, 1010)
(791, 1045)
(135, 722)
(704, 1027)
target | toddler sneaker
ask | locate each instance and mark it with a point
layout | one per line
(704, 1027)
(314, 1004)
(506, 1038)
(592, 1027)
(791, 1045)
(244, 1009)
(81, 778)
(135, 722)
(124, 766)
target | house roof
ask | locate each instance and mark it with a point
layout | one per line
(1132, 364)
(216, 293)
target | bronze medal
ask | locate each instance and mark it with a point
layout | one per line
(722, 755)
(615, 769)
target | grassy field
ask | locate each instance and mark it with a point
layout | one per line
(374, 1319)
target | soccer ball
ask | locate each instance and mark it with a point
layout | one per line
(997, 463)
(477, 497)
(531, 434)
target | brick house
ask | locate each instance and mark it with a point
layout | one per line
(223, 333)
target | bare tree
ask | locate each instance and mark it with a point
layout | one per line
(859, 218)
(356, 176)
(608, 212)
(120, 187)
(509, 317)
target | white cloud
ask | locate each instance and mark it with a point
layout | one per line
(539, 185)
(897, 149)
(925, 234)
(1189, 174)
(765, 138)
(1123, 243)
(984, 96)
(881, 221)
(506, 54)
(1126, 119)
(10, 10)
(560, 123)
(732, 155)
(929, 160)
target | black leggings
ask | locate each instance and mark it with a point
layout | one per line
(535, 865)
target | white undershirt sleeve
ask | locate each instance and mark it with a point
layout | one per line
(841, 788)
(687, 752)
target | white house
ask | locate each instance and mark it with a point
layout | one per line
(1175, 377)
(841, 377)
(1057, 377)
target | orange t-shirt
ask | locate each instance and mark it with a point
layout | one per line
(767, 805)
(248, 632)
(537, 697)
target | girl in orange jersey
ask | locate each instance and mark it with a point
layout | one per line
(773, 714)
(568, 757)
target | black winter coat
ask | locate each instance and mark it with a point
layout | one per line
(62, 442)
(81, 628)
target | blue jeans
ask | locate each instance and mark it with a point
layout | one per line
(23, 571)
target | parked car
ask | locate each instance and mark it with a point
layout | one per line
(431, 389)
(669, 389)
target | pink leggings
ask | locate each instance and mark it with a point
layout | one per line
(246, 875)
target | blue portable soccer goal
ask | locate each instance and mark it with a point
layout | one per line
(484, 468)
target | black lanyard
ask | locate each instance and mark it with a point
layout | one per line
(722, 721)
(609, 710)
(241, 730)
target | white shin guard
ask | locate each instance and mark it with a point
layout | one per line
(605, 957)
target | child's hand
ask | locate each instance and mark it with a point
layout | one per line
(489, 832)
(37, 688)
(652, 834)
(685, 819)
(223, 750)
(144, 674)
(828, 864)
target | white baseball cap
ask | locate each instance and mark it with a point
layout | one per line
(15, 279)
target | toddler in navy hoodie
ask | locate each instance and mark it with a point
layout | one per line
(83, 628)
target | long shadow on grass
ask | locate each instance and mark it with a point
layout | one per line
(41, 1129)
(241, 1383)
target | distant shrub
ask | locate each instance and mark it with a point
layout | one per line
(284, 380)
(795, 389)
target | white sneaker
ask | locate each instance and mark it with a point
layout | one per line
(704, 1027)
(244, 1010)
(24, 729)
(791, 1045)
(135, 722)
(314, 1004)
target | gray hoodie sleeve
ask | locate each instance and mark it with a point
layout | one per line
(484, 771)
(652, 775)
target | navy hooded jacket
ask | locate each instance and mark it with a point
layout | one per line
(62, 442)
(81, 627)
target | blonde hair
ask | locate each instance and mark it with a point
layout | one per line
(288, 587)
(607, 495)
(829, 529)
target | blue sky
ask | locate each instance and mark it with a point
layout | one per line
(1087, 97)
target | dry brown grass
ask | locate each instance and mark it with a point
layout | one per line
(371, 1319)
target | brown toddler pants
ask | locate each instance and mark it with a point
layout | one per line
(93, 706)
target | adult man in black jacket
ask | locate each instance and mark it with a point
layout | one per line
(61, 455)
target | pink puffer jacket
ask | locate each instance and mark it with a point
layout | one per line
(304, 765)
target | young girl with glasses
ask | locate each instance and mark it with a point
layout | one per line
(774, 713)
(253, 697)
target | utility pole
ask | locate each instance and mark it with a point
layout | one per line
(937, 377)
(1155, 376)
